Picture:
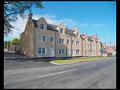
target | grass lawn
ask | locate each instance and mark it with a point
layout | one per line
(71, 61)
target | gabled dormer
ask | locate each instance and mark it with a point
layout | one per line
(42, 23)
(76, 32)
(61, 28)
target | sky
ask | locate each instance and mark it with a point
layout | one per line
(90, 17)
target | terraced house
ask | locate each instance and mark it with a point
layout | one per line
(42, 39)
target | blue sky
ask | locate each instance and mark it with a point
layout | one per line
(89, 17)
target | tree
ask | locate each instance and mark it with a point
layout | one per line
(15, 41)
(6, 43)
(14, 8)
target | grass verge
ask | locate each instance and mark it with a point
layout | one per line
(72, 61)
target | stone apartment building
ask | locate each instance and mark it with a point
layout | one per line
(42, 39)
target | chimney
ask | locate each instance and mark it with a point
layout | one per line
(30, 15)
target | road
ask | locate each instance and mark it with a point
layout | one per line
(99, 74)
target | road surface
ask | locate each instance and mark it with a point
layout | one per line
(99, 74)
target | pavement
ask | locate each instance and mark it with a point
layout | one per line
(99, 74)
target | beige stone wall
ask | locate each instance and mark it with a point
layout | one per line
(31, 39)
(47, 44)
(27, 40)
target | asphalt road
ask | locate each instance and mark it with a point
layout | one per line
(95, 74)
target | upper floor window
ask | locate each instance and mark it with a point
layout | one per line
(51, 39)
(77, 34)
(68, 41)
(61, 41)
(43, 38)
(77, 42)
(61, 30)
(41, 26)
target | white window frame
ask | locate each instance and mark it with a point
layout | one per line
(50, 38)
(42, 38)
(61, 41)
(61, 29)
(77, 53)
(42, 51)
(68, 41)
(68, 51)
(60, 51)
(43, 26)
(78, 43)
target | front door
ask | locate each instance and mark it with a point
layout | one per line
(51, 52)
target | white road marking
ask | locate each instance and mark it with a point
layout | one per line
(63, 78)
(62, 72)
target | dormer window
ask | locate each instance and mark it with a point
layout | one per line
(41, 26)
(61, 30)
(77, 34)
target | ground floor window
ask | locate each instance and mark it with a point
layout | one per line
(77, 52)
(69, 51)
(41, 51)
(61, 51)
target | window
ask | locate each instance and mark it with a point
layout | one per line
(77, 43)
(41, 26)
(43, 38)
(61, 41)
(41, 51)
(51, 39)
(61, 30)
(61, 51)
(77, 52)
(77, 34)
(67, 41)
(68, 51)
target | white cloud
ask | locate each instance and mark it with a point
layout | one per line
(97, 24)
(52, 19)
(84, 24)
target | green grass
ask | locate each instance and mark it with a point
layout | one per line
(71, 61)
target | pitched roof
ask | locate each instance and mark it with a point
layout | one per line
(69, 31)
(35, 22)
(51, 27)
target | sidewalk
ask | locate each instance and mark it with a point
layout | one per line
(12, 56)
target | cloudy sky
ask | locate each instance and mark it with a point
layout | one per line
(89, 17)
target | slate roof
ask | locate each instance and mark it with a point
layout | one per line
(49, 26)
(68, 31)
(35, 22)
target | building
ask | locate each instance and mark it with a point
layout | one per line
(41, 39)
(14, 48)
(90, 45)
(108, 50)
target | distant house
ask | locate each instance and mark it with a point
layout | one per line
(14, 48)
(109, 51)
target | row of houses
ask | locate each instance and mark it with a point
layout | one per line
(42, 39)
